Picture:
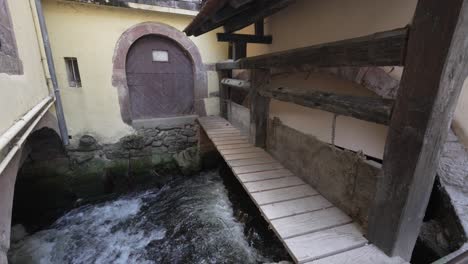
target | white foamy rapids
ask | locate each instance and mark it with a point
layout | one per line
(91, 234)
(190, 220)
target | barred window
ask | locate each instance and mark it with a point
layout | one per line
(73, 72)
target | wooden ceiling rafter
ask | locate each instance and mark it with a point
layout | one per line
(232, 14)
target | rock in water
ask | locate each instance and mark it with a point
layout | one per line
(188, 161)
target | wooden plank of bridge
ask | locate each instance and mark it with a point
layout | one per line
(264, 175)
(284, 194)
(309, 226)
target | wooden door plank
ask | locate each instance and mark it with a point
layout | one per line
(294, 207)
(283, 194)
(364, 255)
(310, 222)
(253, 161)
(264, 175)
(326, 242)
(235, 146)
(246, 156)
(257, 168)
(240, 150)
(273, 184)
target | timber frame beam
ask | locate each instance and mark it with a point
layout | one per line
(380, 49)
(436, 67)
(434, 51)
(376, 110)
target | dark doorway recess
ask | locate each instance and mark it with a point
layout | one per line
(160, 79)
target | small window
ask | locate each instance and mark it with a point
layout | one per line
(73, 72)
(160, 56)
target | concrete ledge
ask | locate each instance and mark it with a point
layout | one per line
(170, 121)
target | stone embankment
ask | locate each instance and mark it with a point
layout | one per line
(60, 178)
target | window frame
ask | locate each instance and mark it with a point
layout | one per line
(73, 72)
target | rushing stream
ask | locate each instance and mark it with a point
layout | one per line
(189, 220)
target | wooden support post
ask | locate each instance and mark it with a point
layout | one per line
(259, 28)
(240, 50)
(259, 108)
(223, 94)
(435, 69)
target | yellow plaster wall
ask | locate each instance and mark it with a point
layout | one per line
(310, 22)
(20, 93)
(90, 33)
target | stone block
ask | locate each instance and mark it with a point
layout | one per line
(115, 151)
(157, 143)
(133, 142)
(188, 132)
(188, 161)
(160, 150)
(169, 141)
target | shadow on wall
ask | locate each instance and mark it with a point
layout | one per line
(39, 193)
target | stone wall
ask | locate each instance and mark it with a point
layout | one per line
(345, 178)
(54, 179)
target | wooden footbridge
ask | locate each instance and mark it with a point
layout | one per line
(310, 227)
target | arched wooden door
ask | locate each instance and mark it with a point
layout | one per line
(159, 78)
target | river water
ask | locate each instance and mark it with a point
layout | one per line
(189, 220)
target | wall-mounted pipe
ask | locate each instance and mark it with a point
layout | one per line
(19, 144)
(20, 124)
(50, 61)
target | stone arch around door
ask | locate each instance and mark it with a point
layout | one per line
(125, 42)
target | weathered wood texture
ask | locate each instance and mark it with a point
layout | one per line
(436, 66)
(327, 242)
(377, 79)
(233, 15)
(380, 49)
(366, 108)
(309, 226)
(223, 94)
(240, 50)
(239, 84)
(227, 37)
(259, 108)
(252, 15)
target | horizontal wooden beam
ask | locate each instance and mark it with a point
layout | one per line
(239, 3)
(370, 109)
(227, 65)
(227, 37)
(380, 49)
(234, 83)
